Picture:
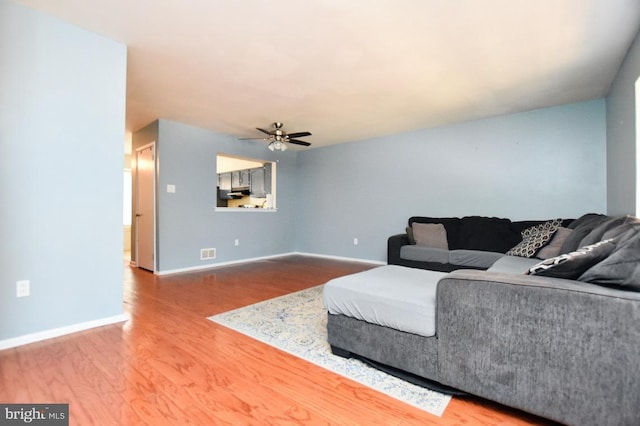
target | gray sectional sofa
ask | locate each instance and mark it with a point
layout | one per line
(472, 242)
(559, 338)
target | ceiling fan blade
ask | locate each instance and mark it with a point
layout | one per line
(263, 131)
(299, 134)
(297, 142)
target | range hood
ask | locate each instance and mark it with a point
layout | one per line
(236, 194)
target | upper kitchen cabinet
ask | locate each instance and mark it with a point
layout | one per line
(260, 181)
(245, 183)
(224, 181)
(240, 179)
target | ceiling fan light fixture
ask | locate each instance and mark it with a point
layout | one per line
(277, 145)
(278, 138)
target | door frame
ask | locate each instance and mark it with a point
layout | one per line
(137, 198)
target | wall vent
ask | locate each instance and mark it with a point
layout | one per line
(207, 253)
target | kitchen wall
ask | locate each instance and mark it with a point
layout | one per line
(621, 136)
(188, 220)
(62, 97)
(540, 164)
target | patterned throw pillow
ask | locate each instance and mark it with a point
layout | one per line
(572, 265)
(535, 237)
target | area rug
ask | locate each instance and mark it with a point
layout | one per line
(297, 323)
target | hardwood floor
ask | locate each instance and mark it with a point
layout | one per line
(169, 365)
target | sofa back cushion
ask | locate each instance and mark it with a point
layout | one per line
(487, 234)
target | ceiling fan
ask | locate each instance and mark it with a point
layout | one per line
(278, 138)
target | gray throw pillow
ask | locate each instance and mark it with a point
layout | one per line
(581, 228)
(430, 235)
(572, 265)
(598, 232)
(553, 248)
(535, 237)
(622, 267)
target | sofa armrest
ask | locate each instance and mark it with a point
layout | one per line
(394, 243)
(562, 349)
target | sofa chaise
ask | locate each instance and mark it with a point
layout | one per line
(556, 337)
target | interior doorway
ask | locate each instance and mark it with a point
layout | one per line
(145, 217)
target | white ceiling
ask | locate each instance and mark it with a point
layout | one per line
(354, 69)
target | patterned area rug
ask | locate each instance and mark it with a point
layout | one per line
(297, 323)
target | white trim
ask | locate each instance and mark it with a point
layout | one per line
(348, 259)
(61, 331)
(217, 265)
(253, 259)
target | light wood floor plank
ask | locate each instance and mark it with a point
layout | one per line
(169, 365)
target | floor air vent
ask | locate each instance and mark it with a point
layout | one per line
(207, 253)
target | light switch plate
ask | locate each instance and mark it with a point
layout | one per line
(23, 288)
(171, 189)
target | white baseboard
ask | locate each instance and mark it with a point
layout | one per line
(253, 259)
(61, 331)
(348, 259)
(219, 264)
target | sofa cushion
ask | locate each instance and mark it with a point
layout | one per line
(487, 234)
(424, 254)
(430, 235)
(622, 266)
(535, 237)
(581, 228)
(513, 264)
(552, 249)
(573, 265)
(391, 296)
(473, 258)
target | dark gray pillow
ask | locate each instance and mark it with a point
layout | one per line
(586, 219)
(598, 232)
(622, 267)
(572, 265)
(581, 228)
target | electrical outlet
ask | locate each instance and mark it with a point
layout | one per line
(23, 288)
(355, 241)
(237, 242)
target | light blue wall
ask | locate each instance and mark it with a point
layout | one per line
(621, 136)
(541, 164)
(62, 106)
(187, 220)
